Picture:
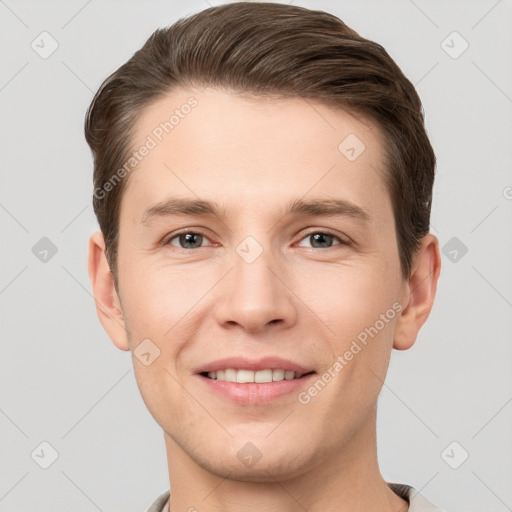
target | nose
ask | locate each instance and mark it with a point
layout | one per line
(255, 295)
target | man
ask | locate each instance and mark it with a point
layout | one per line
(263, 184)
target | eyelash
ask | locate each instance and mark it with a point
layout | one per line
(323, 232)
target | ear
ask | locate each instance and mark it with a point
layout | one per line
(108, 305)
(419, 293)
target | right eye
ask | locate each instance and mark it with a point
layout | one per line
(187, 240)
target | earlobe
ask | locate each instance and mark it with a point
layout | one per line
(419, 293)
(108, 305)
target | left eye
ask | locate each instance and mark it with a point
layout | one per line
(321, 240)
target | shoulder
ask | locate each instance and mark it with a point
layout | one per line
(159, 503)
(417, 502)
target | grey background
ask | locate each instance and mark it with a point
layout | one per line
(62, 380)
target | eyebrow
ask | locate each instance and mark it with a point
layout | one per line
(313, 207)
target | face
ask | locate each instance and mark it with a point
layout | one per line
(258, 235)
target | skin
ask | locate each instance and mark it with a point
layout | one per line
(298, 300)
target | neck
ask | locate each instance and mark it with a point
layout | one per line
(342, 479)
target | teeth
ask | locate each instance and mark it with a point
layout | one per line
(263, 376)
(278, 374)
(244, 376)
(229, 375)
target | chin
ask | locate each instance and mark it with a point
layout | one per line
(252, 464)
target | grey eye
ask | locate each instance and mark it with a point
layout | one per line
(188, 240)
(321, 240)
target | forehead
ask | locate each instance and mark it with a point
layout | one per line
(255, 151)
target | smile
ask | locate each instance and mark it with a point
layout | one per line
(245, 376)
(255, 387)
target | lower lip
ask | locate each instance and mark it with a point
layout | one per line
(256, 393)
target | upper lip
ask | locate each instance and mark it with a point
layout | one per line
(245, 363)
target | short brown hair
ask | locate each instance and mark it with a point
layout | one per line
(268, 49)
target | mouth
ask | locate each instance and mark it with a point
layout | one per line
(248, 387)
(244, 376)
(253, 381)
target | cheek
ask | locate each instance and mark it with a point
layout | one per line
(360, 307)
(165, 304)
(154, 298)
(353, 299)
